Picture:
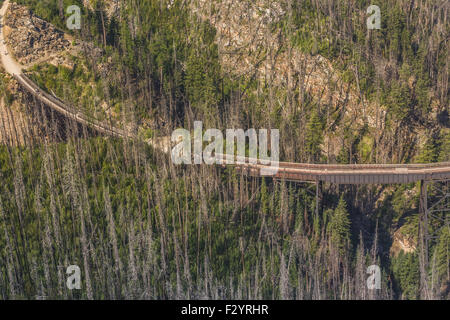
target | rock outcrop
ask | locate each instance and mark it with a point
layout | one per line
(250, 44)
(33, 39)
(402, 242)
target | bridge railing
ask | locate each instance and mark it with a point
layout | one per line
(234, 159)
(335, 173)
(73, 113)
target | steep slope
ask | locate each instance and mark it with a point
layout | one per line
(252, 44)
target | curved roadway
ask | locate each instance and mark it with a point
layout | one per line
(342, 174)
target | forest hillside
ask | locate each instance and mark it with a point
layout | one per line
(141, 227)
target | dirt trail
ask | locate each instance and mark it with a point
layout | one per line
(10, 65)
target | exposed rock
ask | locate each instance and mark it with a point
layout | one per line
(33, 39)
(401, 242)
(249, 46)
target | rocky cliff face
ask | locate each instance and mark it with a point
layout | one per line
(33, 39)
(250, 45)
(402, 242)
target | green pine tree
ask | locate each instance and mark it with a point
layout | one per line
(314, 137)
(339, 227)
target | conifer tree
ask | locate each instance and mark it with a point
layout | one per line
(339, 228)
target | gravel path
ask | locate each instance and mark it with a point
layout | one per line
(10, 65)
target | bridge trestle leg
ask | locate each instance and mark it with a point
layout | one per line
(318, 197)
(423, 239)
(433, 216)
